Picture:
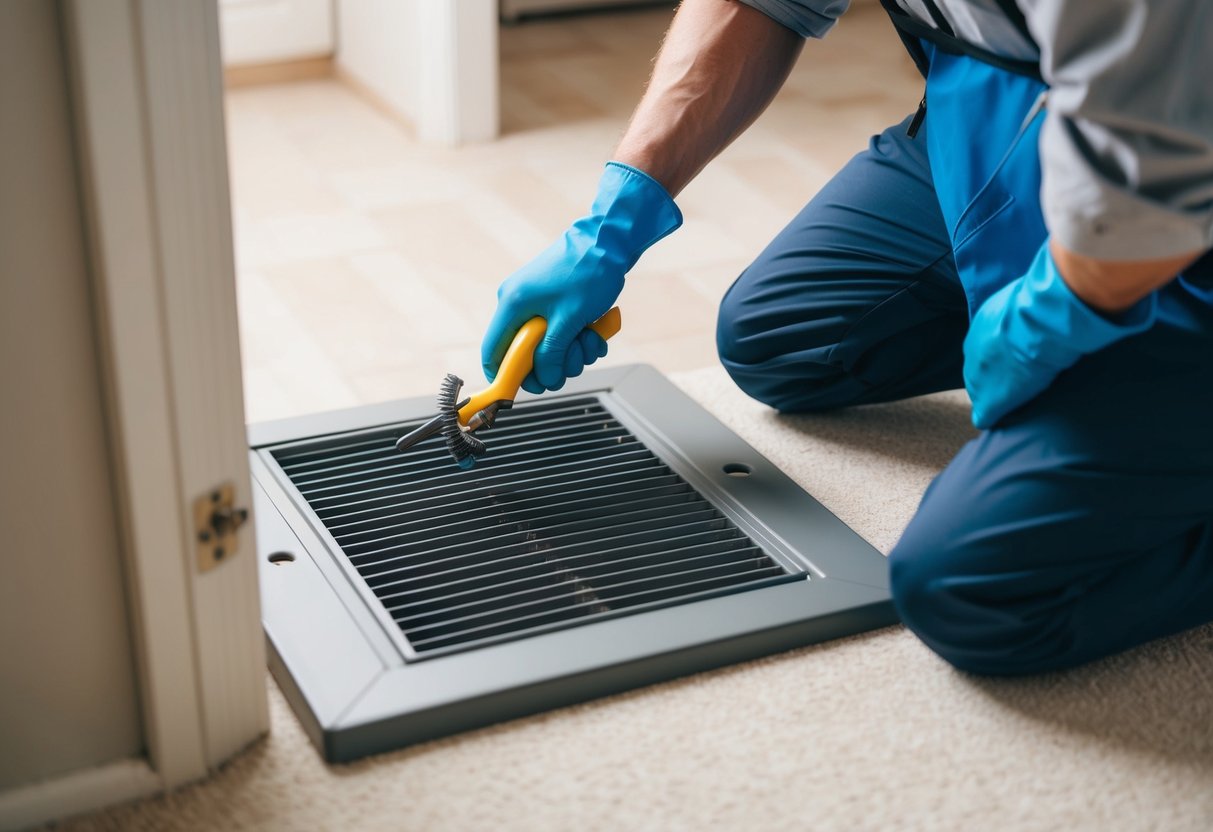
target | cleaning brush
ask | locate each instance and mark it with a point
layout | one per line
(456, 420)
(462, 445)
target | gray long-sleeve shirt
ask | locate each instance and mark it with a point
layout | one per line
(1127, 144)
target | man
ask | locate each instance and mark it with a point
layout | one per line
(1038, 232)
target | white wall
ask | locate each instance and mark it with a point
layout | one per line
(432, 62)
(67, 679)
(378, 45)
(266, 31)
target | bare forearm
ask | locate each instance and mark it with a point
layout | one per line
(720, 66)
(1113, 286)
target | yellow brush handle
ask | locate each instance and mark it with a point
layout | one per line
(520, 358)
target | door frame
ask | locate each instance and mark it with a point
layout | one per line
(146, 84)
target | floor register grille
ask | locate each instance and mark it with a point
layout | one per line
(614, 535)
(570, 518)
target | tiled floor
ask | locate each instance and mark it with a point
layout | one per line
(367, 263)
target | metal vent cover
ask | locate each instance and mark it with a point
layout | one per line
(571, 519)
(615, 535)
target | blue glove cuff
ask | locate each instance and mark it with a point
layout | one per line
(631, 212)
(1049, 323)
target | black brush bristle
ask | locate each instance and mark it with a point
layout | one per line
(463, 447)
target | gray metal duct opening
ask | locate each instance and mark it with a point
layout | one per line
(614, 535)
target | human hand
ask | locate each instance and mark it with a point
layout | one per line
(578, 278)
(1028, 332)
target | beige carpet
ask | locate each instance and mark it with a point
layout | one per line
(871, 732)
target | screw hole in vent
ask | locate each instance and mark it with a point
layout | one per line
(281, 558)
(738, 469)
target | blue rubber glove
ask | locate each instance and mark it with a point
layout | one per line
(1026, 333)
(578, 278)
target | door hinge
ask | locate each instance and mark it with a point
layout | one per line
(216, 521)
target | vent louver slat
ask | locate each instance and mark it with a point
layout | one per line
(652, 490)
(570, 519)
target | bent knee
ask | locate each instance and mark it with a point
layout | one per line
(979, 623)
(785, 365)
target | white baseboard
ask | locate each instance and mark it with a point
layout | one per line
(77, 792)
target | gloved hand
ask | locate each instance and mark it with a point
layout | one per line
(577, 279)
(1026, 333)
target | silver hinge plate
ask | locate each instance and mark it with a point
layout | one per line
(216, 523)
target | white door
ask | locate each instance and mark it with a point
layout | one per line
(269, 31)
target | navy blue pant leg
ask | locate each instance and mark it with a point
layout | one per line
(857, 300)
(1083, 524)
